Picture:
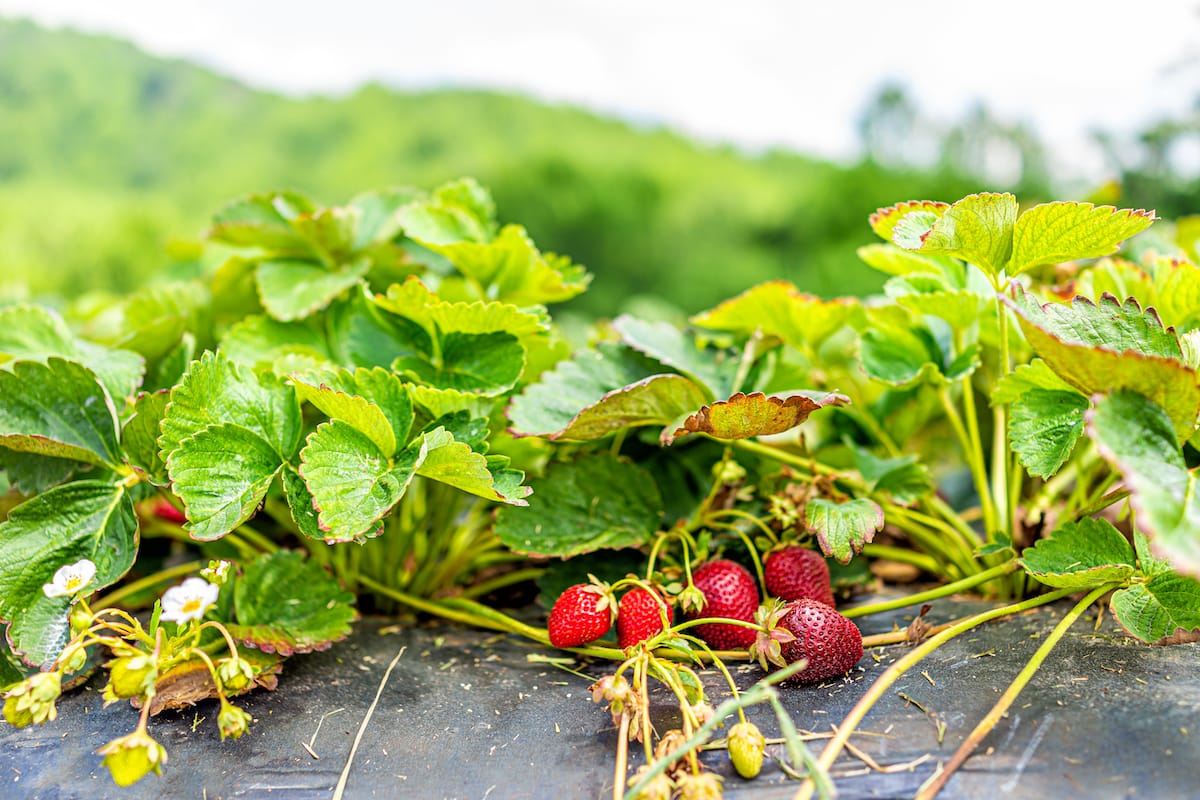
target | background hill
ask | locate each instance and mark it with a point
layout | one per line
(112, 161)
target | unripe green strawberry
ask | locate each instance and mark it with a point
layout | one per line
(796, 572)
(730, 592)
(581, 614)
(640, 617)
(746, 749)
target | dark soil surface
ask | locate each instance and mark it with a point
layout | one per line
(467, 714)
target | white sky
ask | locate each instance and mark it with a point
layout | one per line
(752, 72)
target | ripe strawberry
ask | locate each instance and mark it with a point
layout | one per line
(831, 643)
(729, 591)
(796, 572)
(164, 510)
(581, 614)
(639, 617)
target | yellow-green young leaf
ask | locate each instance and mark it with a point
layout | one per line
(1097, 348)
(657, 400)
(222, 474)
(331, 232)
(438, 402)
(1080, 555)
(778, 309)
(154, 318)
(1178, 294)
(257, 341)
(139, 436)
(1164, 610)
(960, 308)
(291, 289)
(1136, 436)
(262, 220)
(353, 484)
(452, 462)
(1034, 375)
(897, 261)
(594, 502)
(372, 401)
(843, 529)
(1187, 236)
(414, 301)
(884, 220)
(978, 229)
(286, 605)
(85, 519)
(744, 416)
(1052, 233)
(1043, 428)
(59, 409)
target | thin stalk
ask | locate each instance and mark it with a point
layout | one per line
(933, 594)
(974, 457)
(501, 581)
(921, 561)
(148, 582)
(948, 545)
(902, 665)
(935, 784)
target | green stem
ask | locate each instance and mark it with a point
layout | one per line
(949, 546)
(921, 561)
(932, 594)
(974, 457)
(935, 784)
(834, 748)
(501, 581)
(148, 582)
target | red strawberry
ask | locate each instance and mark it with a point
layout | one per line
(581, 614)
(164, 510)
(639, 617)
(831, 643)
(796, 572)
(729, 591)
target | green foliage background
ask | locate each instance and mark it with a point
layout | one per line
(113, 161)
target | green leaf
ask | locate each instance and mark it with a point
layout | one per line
(414, 301)
(31, 473)
(904, 478)
(262, 220)
(1148, 563)
(59, 409)
(960, 308)
(657, 400)
(1052, 233)
(455, 463)
(843, 529)
(1177, 298)
(1164, 610)
(1080, 555)
(438, 402)
(258, 341)
(353, 484)
(978, 229)
(594, 502)
(372, 401)
(549, 407)
(778, 309)
(901, 356)
(668, 345)
(487, 363)
(301, 503)
(11, 668)
(330, 232)
(215, 390)
(222, 474)
(1034, 375)
(1097, 348)
(1043, 428)
(1135, 435)
(86, 519)
(286, 605)
(139, 436)
(743, 416)
(292, 290)
(361, 334)
(33, 333)
(893, 260)
(155, 318)
(378, 221)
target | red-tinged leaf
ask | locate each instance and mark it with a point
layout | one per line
(745, 415)
(883, 221)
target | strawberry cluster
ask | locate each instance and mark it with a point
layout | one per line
(584, 613)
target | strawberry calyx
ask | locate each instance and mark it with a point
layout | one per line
(768, 644)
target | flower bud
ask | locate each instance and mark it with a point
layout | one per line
(130, 758)
(660, 786)
(705, 786)
(73, 659)
(235, 673)
(232, 721)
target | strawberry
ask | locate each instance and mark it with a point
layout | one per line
(639, 617)
(164, 510)
(581, 614)
(831, 643)
(729, 591)
(746, 746)
(796, 572)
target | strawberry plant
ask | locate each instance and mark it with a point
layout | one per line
(349, 405)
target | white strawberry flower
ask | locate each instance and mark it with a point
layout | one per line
(189, 600)
(70, 579)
